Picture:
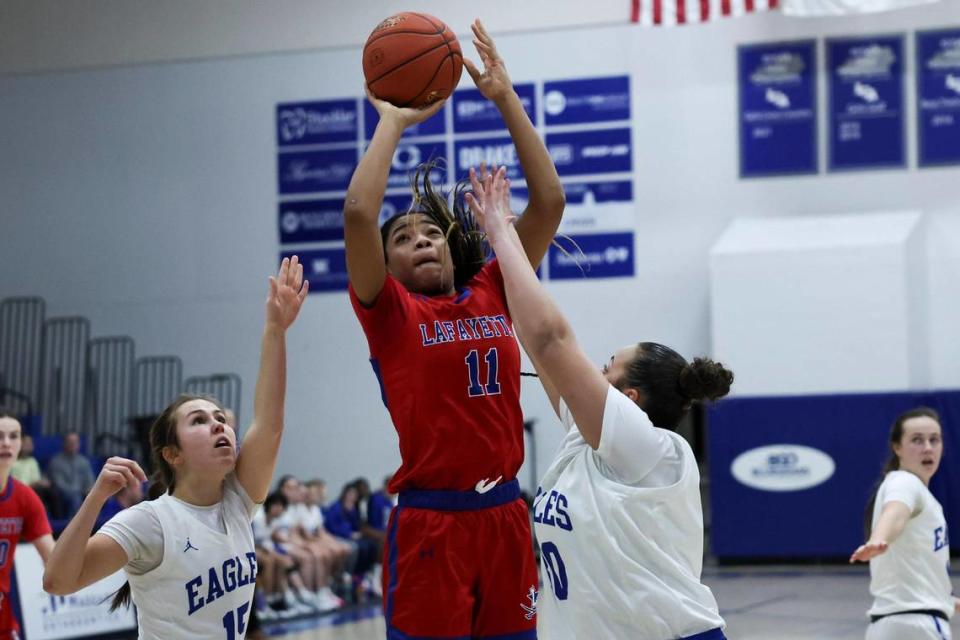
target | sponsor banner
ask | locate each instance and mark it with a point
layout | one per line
(586, 100)
(326, 269)
(434, 126)
(790, 476)
(496, 152)
(84, 614)
(312, 171)
(311, 221)
(394, 204)
(866, 102)
(587, 152)
(782, 467)
(938, 96)
(411, 154)
(473, 113)
(598, 206)
(778, 116)
(608, 255)
(319, 122)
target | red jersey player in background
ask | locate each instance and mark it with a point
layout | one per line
(22, 517)
(458, 561)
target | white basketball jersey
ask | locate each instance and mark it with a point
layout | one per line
(204, 585)
(912, 574)
(621, 560)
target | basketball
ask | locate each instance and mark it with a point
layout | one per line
(412, 60)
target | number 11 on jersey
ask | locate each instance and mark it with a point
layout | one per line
(492, 387)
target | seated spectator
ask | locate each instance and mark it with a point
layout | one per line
(376, 515)
(279, 576)
(71, 474)
(321, 559)
(379, 505)
(26, 469)
(342, 519)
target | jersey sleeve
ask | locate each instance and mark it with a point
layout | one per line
(629, 443)
(235, 492)
(138, 531)
(389, 310)
(35, 522)
(903, 486)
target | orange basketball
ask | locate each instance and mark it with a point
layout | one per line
(412, 60)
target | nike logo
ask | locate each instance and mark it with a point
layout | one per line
(483, 486)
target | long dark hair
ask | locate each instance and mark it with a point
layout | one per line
(671, 385)
(163, 434)
(893, 462)
(466, 241)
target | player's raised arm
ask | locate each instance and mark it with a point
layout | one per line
(547, 335)
(540, 220)
(258, 453)
(361, 210)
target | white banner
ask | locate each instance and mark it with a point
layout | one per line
(85, 614)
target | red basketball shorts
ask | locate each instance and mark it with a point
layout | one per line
(460, 565)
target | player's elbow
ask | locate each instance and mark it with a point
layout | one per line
(55, 585)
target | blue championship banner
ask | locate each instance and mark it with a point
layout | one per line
(938, 96)
(320, 122)
(778, 117)
(866, 102)
(586, 100)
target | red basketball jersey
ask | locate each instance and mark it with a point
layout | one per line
(22, 518)
(449, 372)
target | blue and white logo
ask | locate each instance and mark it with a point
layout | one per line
(409, 155)
(311, 171)
(326, 269)
(587, 152)
(321, 122)
(782, 467)
(602, 255)
(586, 100)
(311, 221)
(474, 113)
(495, 152)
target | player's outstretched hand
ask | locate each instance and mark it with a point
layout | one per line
(287, 293)
(493, 82)
(869, 550)
(404, 116)
(490, 201)
(116, 474)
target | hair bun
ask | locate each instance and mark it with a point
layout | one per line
(704, 379)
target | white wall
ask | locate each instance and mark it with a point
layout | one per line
(145, 196)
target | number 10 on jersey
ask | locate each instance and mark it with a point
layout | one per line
(474, 371)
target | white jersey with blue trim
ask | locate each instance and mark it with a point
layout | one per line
(621, 534)
(204, 584)
(913, 573)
